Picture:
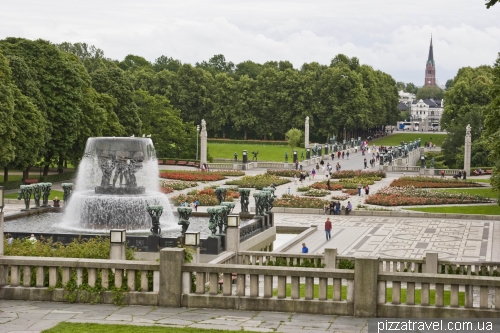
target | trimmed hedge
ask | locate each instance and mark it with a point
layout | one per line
(11, 185)
(59, 177)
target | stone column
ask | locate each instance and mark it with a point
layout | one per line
(306, 133)
(467, 151)
(330, 258)
(203, 144)
(171, 261)
(365, 287)
(117, 252)
(233, 239)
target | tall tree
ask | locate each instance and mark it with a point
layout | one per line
(7, 133)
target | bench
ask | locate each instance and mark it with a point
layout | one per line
(170, 162)
(160, 162)
(233, 280)
(30, 181)
(190, 164)
(182, 163)
(485, 172)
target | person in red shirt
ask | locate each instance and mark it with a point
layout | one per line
(328, 229)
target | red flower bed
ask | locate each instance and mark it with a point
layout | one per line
(323, 186)
(192, 176)
(431, 182)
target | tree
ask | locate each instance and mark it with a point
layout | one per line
(167, 63)
(217, 64)
(492, 122)
(7, 133)
(430, 92)
(293, 136)
(491, 3)
(449, 84)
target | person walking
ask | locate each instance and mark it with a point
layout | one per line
(465, 175)
(328, 184)
(347, 154)
(343, 154)
(359, 189)
(348, 208)
(328, 229)
(366, 163)
(367, 189)
(304, 248)
(295, 179)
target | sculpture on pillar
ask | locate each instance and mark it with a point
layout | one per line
(184, 214)
(306, 133)
(286, 157)
(222, 220)
(467, 131)
(235, 157)
(270, 199)
(37, 192)
(203, 142)
(244, 199)
(25, 193)
(68, 189)
(46, 187)
(215, 216)
(229, 204)
(260, 202)
(220, 192)
(155, 213)
(255, 153)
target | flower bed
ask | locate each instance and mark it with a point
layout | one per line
(358, 173)
(407, 196)
(168, 186)
(206, 197)
(357, 180)
(294, 201)
(303, 189)
(340, 197)
(192, 175)
(317, 193)
(284, 173)
(350, 191)
(323, 186)
(229, 173)
(258, 181)
(431, 182)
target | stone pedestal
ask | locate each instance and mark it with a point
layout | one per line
(235, 166)
(153, 243)
(203, 142)
(233, 239)
(117, 252)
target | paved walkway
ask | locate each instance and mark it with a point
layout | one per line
(26, 316)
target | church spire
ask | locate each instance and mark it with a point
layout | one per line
(430, 59)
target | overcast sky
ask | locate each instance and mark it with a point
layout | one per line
(390, 35)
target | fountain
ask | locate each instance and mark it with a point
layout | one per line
(117, 180)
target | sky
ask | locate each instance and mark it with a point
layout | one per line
(389, 35)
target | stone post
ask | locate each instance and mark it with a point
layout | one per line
(365, 287)
(233, 239)
(467, 151)
(330, 258)
(431, 263)
(171, 261)
(203, 144)
(117, 252)
(306, 133)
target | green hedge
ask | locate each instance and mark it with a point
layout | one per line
(11, 185)
(249, 142)
(59, 177)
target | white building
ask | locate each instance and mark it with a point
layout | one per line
(405, 97)
(427, 113)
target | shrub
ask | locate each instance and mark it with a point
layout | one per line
(317, 193)
(340, 197)
(294, 201)
(176, 185)
(192, 175)
(284, 173)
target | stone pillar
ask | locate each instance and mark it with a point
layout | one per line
(365, 287)
(203, 143)
(330, 258)
(306, 133)
(117, 252)
(171, 261)
(467, 151)
(233, 239)
(431, 263)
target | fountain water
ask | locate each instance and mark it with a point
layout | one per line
(117, 180)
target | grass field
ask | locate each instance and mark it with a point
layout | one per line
(13, 177)
(480, 180)
(395, 139)
(485, 192)
(53, 193)
(266, 153)
(483, 209)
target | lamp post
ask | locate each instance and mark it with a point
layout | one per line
(197, 131)
(2, 203)
(192, 239)
(118, 237)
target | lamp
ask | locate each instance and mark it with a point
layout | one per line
(117, 236)
(233, 220)
(2, 203)
(192, 238)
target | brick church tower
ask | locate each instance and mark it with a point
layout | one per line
(430, 69)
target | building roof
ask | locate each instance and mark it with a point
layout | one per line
(430, 58)
(402, 107)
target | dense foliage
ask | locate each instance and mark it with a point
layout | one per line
(53, 97)
(258, 182)
(432, 182)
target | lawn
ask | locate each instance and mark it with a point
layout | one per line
(105, 328)
(485, 192)
(482, 210)
(14, 177)
(395, 139)
(53, 193)
(266, 153)
(432, 297)
(480, 180)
